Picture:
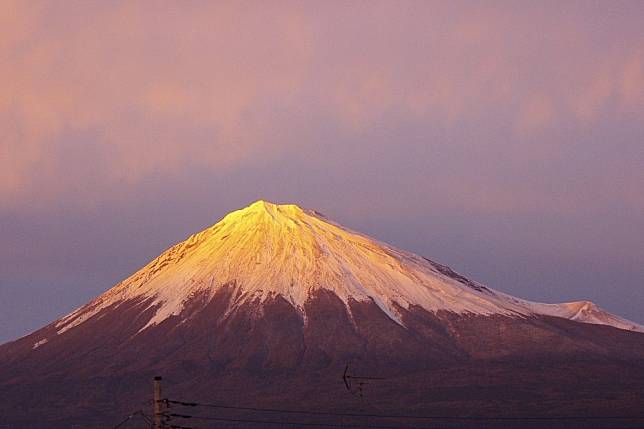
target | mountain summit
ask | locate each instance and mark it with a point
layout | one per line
(268, 307)
(267, 250)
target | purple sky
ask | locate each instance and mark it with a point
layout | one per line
(504, 139)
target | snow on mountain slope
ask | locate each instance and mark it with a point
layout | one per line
(266, 250)
(585, 312)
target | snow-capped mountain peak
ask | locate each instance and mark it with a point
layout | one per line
(267, 250)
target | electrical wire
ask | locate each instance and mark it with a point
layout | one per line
(147, 419)
(402, 416)
(128, 418)
(282, 422)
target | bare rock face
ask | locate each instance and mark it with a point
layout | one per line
(269, 306)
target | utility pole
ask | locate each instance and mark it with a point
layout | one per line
(157, 403)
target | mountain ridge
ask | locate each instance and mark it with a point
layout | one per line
(268, 249)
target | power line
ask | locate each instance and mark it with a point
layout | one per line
(281, 422)
(146, 418)
(402, 416)
(131, 416)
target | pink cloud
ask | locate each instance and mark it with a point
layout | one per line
(632, 81)
(535, 113)
(171, 88)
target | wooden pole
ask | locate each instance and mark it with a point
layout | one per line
(157, 402)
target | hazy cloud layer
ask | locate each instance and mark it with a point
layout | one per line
(503, 138)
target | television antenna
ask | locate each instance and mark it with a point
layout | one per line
(351, 380)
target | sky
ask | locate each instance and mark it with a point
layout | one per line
(504, 139)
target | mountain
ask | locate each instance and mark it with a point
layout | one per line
(269, 305)
(266, 251)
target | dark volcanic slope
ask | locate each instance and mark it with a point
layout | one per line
(267, 307)
(267, 355)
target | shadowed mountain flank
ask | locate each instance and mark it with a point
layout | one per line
(268, 307)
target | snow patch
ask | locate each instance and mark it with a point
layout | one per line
(39, 343)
